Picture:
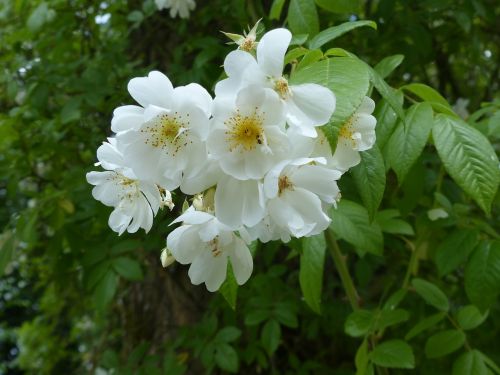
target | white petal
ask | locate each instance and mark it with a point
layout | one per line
(228, 202)
(110, 157)
(154, 89)
(319, 180)
(345, 157)
(184, 244)
(241, 261)
(127, 117)
(191, 216)
(217, 273)
(310, 105)
(367, 106)
(271, 51)
(118, 221)
(197, 95)
(98, 178)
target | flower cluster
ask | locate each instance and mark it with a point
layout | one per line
(253, 157)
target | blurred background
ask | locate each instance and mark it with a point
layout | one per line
(75, 298)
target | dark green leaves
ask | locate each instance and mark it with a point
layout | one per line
(454, 250)
(312, 260)
(271, 335)
(335, 31)
(351, 223)
(444, 343)
(468, 157)
(229, 289)
(431, 294)
(425, 324)
(469, 317)
(482, 275)
(226, 357)
(393, 354)
(303, 17)
(409, 139)
(388, 64)
(470, 363)
(369, 177)
(7, 247)
(128, 268)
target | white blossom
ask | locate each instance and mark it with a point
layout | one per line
(177, 7)
(207, 244)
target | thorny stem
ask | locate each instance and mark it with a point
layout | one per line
(341, 266)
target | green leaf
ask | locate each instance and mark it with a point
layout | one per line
(40, 16)
(369, 177)
(395, 299)
(348, 78)
(128, 268)
(271, 336)
(351, 223)
(393, 354)
(309, 58)
(386, 119)
(482, 275)
(470, 363)
(358, 323)
(489, 362)
(276, 8)
(229, 289)
(389, 223)
(387, 92)
(286, 315)
(362, 359)
(7, 247)
(468, 157)
(426, 93)
(303, 17)
(312, 260)
(334, 32)
(228, 334)
(444, 343)
(226, 357)
(387, 318)
(431, 294)
(425, 324)
(105, 290)
(469, 317)
(340, 6)
(254, 317)
(455, 250)
(408, 140)
(388, 64)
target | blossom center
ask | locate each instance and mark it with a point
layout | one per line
(347, 134)
(284, 183)
(245, 131)
(248, 44)
(281, 87)
(214, 247)
(166, 131)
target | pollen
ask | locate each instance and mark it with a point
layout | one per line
(281, 87)
(168, 132)
(346, 134)
(248, 44)
(284, 183)
(214, 247)
(245, 132)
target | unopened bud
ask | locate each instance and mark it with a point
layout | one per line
(166, 258)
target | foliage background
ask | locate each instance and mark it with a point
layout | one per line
(75, 298)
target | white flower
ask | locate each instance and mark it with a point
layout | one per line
(248, 136)
(135, 201)
(206, 244)
(164, 139)
(177, 7)
(436, 214)
(246, 42)
(357, 134)
(306, 105)
(297, 191)
(239, 202)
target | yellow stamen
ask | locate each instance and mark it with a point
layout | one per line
(167, 130)
(284, 183)
(245, 131)
(281, 87)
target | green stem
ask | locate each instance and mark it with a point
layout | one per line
(341, 265)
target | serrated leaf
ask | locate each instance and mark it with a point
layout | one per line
(469, 317)
(351, 223)
(468, 157)
(271, 336)
(482, 275)
(226, 357)
(408, 139)
(358, 323)
(387, 92)
(444, 343)
(386, 120)
(229, 289)
(426, 93)
(312, 260)
(387, 318)
(470, 363)
(425, 324)
(431, 294)
(348, 78)
(388, 64)
(334, 32)
(369, 177)
(455, 250)
(128, 268)
(393, 354)
(390, 222)
(303, 17)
